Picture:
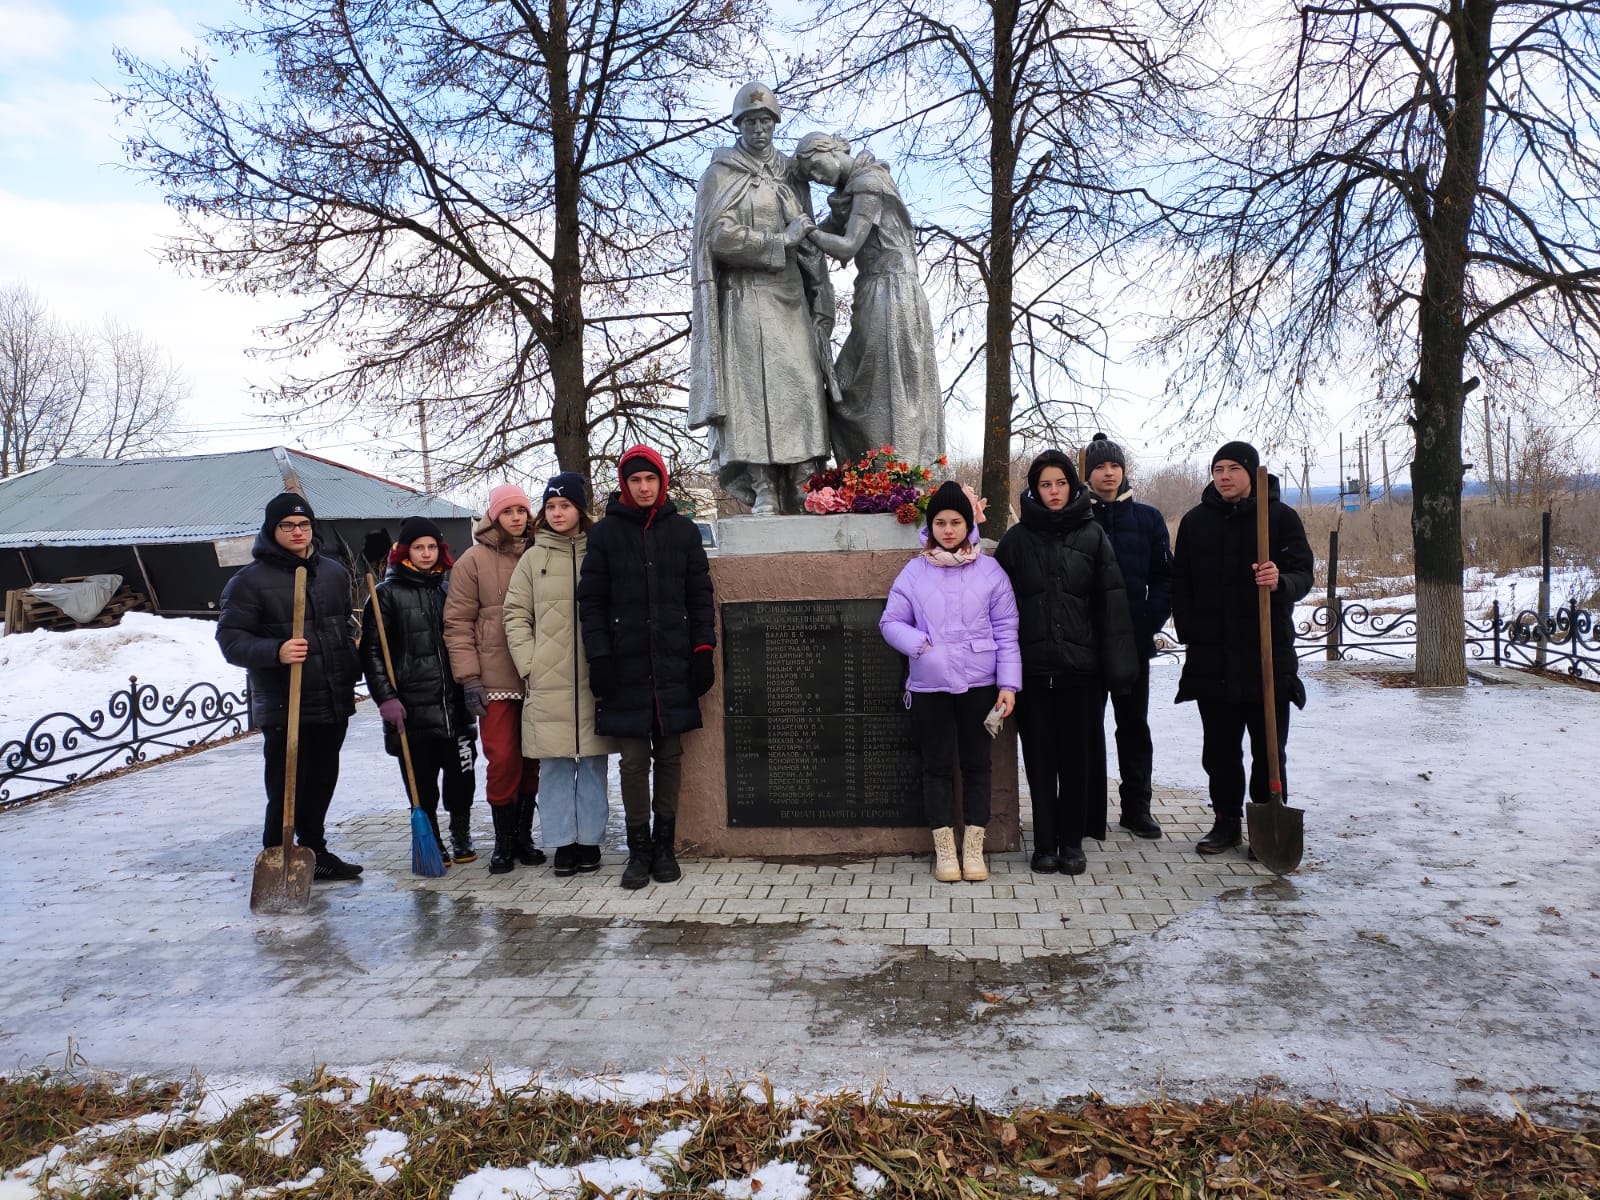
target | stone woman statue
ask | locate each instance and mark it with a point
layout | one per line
(887, 374)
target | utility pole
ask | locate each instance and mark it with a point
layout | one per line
(1384, 446)
(1366, 475)
(427, 462)
(1505, 459)
(1305, 479)
(1488, 448)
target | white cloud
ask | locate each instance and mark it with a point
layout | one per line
(147, 30)
(33, 33)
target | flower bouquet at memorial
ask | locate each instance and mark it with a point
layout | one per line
(877, 482)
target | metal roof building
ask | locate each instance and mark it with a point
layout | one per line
(177, 528)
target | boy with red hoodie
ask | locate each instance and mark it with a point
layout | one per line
(645, 604)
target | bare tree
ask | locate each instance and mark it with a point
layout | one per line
(44, 383)
(482, 204)
(1414, 198)
(1035, 107)
(64, 392)
(134, 396)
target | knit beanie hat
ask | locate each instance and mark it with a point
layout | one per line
(413, 528)
(1102, 449)
(1052, 458)
(503, 497)
(286, 504)
(950, 496)
(568, 485)
(1242, 453)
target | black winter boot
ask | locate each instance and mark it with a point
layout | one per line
(505, 838)
(566, 862)
(1072, 859)
(1226, 832)
(588, 857)
(663, 862)
(1136, 819)
(637, 873)
(438, 839)
(528, 854)
(461, 848)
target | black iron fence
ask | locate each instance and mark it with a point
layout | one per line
(136, 725)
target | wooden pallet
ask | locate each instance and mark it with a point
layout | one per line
(25, 613)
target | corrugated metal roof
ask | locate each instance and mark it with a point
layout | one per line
(201, 497)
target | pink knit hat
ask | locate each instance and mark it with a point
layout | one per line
(503, 497)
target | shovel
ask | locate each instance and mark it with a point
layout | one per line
(282, 882)
(1277, 832)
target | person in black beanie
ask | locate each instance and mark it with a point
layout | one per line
(254, 631)
(423, 697)
(1077, 643)
(1215, 582)
(1138, 534)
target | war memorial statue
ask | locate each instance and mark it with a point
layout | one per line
(763, 383)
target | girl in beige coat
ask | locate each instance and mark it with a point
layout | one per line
(541, 619)
(475, 636)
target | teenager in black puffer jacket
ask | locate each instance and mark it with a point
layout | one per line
(254, 631)
(1216, 582)
(1077, 642)
(423, 697)
(1138, 534)
(646, 607)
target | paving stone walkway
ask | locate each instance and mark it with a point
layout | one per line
(1454, 965)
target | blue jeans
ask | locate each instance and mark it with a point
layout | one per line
(572, 800)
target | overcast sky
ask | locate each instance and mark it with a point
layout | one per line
(84, 235)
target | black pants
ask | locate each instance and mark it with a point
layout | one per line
(1135, 754)
(1224, 724)
(448, 761)
(316, 775)
(949, 726)
(665, 751)
(1064, 753)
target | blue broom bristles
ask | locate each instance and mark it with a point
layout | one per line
(425, 856)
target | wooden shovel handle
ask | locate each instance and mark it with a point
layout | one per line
(388, 669)
(1264, 611)
(292, 751)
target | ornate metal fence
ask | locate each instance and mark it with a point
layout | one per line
(1565, 640)
(62, 748)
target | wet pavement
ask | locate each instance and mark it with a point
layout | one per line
(1404, 960)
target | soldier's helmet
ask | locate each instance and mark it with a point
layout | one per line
(755, 97)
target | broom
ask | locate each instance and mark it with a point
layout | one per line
(425, 856)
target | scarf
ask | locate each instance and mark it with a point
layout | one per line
(959, 557)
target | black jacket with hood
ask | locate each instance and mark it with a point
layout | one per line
(645, 602)
(1138, 534)
(1214, 597)
(258, 617)
(413, 617)
(1073, 621)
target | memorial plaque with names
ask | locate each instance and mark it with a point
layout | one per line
(815, 724)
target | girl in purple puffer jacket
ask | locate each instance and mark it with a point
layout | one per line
(952, 613)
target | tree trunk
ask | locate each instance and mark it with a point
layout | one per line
(1438, 392)
(569, 415)
(1002, 261)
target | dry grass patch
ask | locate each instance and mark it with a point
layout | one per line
(694, 1143)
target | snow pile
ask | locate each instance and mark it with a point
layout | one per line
(384, 1154)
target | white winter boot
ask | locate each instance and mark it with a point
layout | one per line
(973, 867)
(946, 867)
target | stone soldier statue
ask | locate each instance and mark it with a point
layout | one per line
(760, 359)
(888, 371)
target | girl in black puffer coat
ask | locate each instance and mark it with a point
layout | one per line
(1077, 640)
(423, 697)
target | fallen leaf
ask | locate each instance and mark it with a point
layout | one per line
(1008, 1134)
(1550, 910)
(992, 997)
(1481, 920)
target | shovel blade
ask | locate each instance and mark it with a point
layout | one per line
(282, 882)
(1277, 835)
